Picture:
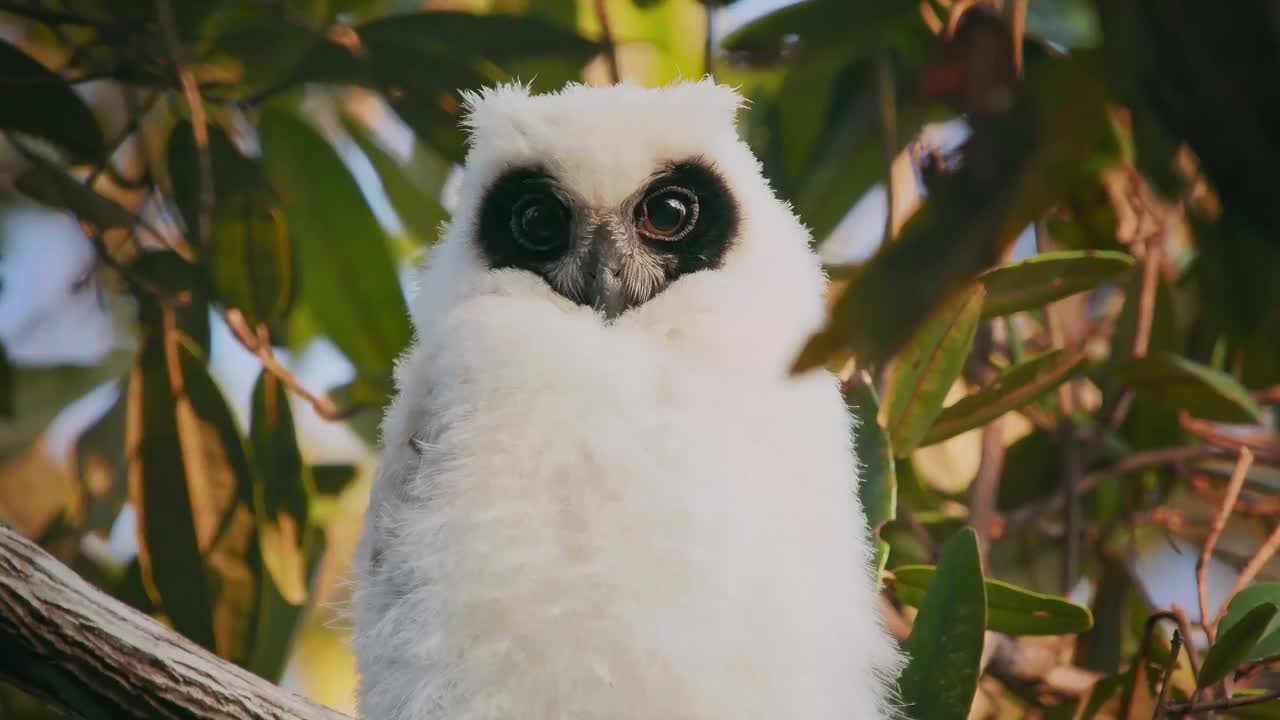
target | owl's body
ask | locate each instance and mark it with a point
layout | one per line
(618, 509)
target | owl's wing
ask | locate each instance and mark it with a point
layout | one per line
(398, 465)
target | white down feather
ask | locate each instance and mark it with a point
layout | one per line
(645, 519)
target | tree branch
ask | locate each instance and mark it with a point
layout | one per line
(91, 656)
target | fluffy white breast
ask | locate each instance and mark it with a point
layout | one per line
(643, 519)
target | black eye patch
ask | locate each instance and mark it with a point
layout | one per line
(524, 221)
(704, 244)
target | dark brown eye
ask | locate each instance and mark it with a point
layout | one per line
(539, 221)
(668, 214)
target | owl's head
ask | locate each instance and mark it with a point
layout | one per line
(613, 195)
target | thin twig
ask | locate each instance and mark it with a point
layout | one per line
(887, 104)
(1184, 624)
(986, 486)
(1165, 682)
(1255, 564)
(1265, 446)
(199, 123)
(709, 42)
(1138, 665)
(258, 342)
(606, 42)
(1224, 704)
(1143, 460)
(1210, 624)
(1017, 11)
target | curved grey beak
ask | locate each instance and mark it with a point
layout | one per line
(604, 284)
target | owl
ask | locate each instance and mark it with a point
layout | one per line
(602, 495)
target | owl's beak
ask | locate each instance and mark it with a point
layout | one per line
(604, 288)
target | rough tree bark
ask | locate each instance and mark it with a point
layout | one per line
(93, 657)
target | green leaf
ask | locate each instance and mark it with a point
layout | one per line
(1017, 164)
(1049, 276)
(497, 38)
(852, 29)
(188, 476)
(333, 479)
(1010, 609)
(251, 258)
(40, 392)
(878, 487)
(1236, 642)
(233, 173)
(35, 100)
(946, 642)
(1181, 384)
(1016, 387)
(345, 270)
(1264, 710)
(50, 186)
(923, 372)
(414, 195)
(281, 496)
(464, 51)
(1268, 645)
(279, 622)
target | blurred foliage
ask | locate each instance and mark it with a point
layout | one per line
(1075, 406)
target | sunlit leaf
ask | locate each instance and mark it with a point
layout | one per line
(34, 100)
(278, 622)
(345, 270)
(1046, 277)
(281, 497)
(1015, 388)
(1236, 642)
(946, 641)
(186, 467)
(923, 372)
(1010, 609)
(1181, 384)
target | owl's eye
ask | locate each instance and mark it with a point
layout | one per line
(540, 222)
(668, 214)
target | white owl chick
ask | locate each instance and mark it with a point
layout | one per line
(601, 496)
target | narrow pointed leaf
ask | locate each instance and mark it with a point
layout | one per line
(1046, 277)
(251, 258)
(1010, 609)
(35, 100)
(416, 200)
(1268, 646)
(946, 641)
(1182, 384)
(878, 486)
(1236, 643)
(923, 372)
(188, 476)
(345, 271)
(282, 495)
(1017, 387)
